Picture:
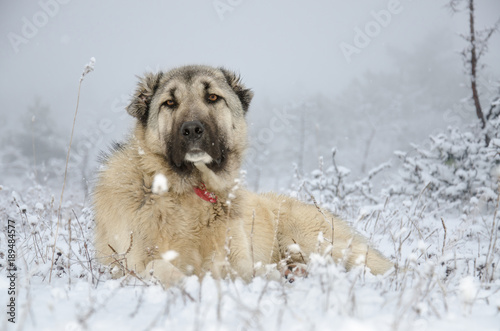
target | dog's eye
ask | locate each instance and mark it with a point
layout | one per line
(212, 97)
(169, 104)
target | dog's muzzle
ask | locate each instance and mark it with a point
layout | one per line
(192, 131)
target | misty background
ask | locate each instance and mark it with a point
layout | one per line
(406, 83)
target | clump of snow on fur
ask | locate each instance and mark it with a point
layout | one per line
(270, 267)
(294, 249)
(321, 238)
(160, 184)
(360, 259)
(170, 255)
(115, 270)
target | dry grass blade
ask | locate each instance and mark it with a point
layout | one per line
(33, 144)
(251, 245)
(88, 68)
(444, 239)
(493, 240)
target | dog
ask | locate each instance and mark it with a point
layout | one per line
(168, 202)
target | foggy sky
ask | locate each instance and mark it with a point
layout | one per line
(285, 51)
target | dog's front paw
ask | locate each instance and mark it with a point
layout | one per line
(291, 271)
(164, 272)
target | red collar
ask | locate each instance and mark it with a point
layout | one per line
(202, 192)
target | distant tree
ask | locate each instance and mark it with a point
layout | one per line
(477, 46)
(34, 144)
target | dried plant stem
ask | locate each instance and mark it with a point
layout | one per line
(275, 236)
(33, 143)
(300, 253)
(251, 245)
(444, 239)
(64, 181)
(330, 223)
(89, 259)
(69, 254)
(493, 239)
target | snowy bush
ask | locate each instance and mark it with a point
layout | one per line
(448, 188)
(445, 277)
(333, 187)
(457, 168)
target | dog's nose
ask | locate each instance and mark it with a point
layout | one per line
(192, 130)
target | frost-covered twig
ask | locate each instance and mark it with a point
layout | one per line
(33, 143)
(87, 69)
(89, 259)
(251, 244)
(493, 241)
(69, 254)
(444, 239)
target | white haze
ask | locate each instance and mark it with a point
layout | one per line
(287, 52)
(436, 220)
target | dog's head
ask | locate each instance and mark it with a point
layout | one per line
(193, 114)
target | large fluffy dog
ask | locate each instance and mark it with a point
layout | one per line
(168, 202)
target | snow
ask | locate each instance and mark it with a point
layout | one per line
(496, 171)
(294, 248)
(160, 184)
(436, 217)
(468, 290)
(170, 255)
(430, 291)
(89, 67)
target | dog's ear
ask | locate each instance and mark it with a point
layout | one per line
(244, 94)
(146, 88)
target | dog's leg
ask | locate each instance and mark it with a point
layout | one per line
(164, 271)
(361, 254)
(240, 256)
(301, 225)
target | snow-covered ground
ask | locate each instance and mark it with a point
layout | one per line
(432, 208)
(446, 275)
